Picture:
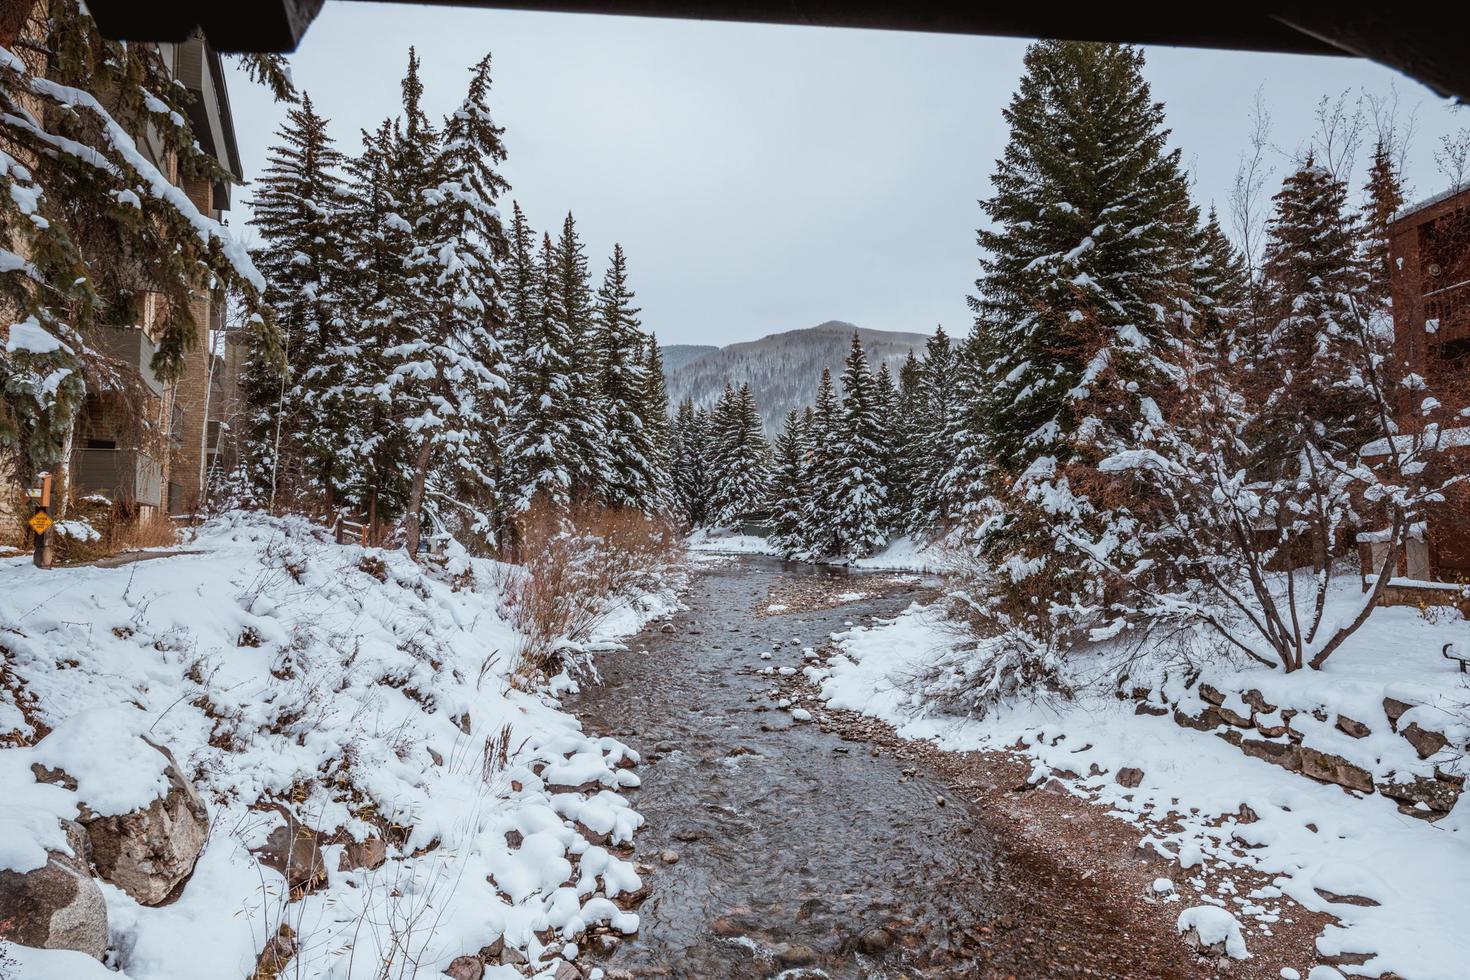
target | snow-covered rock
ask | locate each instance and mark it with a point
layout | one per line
(1213, 931)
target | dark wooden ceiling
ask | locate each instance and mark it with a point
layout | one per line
(1428, 46)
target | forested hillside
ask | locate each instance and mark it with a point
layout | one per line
(782, 369)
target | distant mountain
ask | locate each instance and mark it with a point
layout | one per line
(782, 369)
(677, 355)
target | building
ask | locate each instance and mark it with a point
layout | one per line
(1429, 255)
(138, 441)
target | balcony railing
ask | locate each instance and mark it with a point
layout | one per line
(126, 475)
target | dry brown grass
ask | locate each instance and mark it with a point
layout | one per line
(576, 567)
(121, 527)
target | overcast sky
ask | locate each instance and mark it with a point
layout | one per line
(768, 178)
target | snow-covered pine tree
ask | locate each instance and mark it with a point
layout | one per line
(790, 485)
(376, 291)
(741, 458)
(890, 443)
(825, 437)
(1219, 284)
(301, 416)
(542, 445)
(455, 369)
(89, 225)
(690, 464)
(1084, 270)
(631, 466)
(570, 304)
(903, 428)
(859, 498)
(654, 410)
(1314, 284)
(1383, 197)
(935, 437)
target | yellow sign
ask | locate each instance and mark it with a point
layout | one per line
(40, 522)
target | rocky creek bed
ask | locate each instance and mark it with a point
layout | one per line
(778, 846)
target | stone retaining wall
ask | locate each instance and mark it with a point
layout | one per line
(1272, 734)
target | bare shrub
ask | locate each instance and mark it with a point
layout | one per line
(577, 567)
(119, 526)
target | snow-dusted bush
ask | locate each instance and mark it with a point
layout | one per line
(577, 566)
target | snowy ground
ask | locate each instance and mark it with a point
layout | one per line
(352, 685)
(1309, 838)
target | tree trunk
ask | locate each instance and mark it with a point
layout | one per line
(13, 17)
(416, 497)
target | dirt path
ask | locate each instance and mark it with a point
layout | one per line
(778, 848)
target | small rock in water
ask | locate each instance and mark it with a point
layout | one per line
(939, 801)
(666, 628)
(801, 714)
(794, 954)
(766, 656)
(786, 671)
(875, 941)
(669, 857)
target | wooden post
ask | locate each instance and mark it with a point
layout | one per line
(40, 523)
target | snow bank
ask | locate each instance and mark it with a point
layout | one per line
(728, 543)
(1395, 884)
(367, 694)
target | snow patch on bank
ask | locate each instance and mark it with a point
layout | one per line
(357, 688)
(1211, 808)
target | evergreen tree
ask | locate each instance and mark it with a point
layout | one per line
(375, 291)
(569, 304)
(890, 434)
(543, 448)
(824, 469)
(300, 419)
(740, 457)
(1385, 196)
(936, 439)
(655, 414)
(790, 485)
(1219, 286)
(905, 448)
(1084, 277)
(632, 467)
(859, 498)
(1091, 223)
(453, 374)
(691, 464)
(1307, 344)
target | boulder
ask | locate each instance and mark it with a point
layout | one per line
(368, 854)
(1258, 701)
(1350, 727)
(1129, 777)
(1394, 709)
(1425, 741)
(1213, 695)
(1287, 755)
(1328, 768)
(58, 905)
(148, 853)
(295, 851)
(465, 968)
(1439, 795)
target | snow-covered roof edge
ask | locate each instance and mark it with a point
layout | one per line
(1442, 196)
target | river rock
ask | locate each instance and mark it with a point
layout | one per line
(875, 941)
(148, 853)
(58, 905)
